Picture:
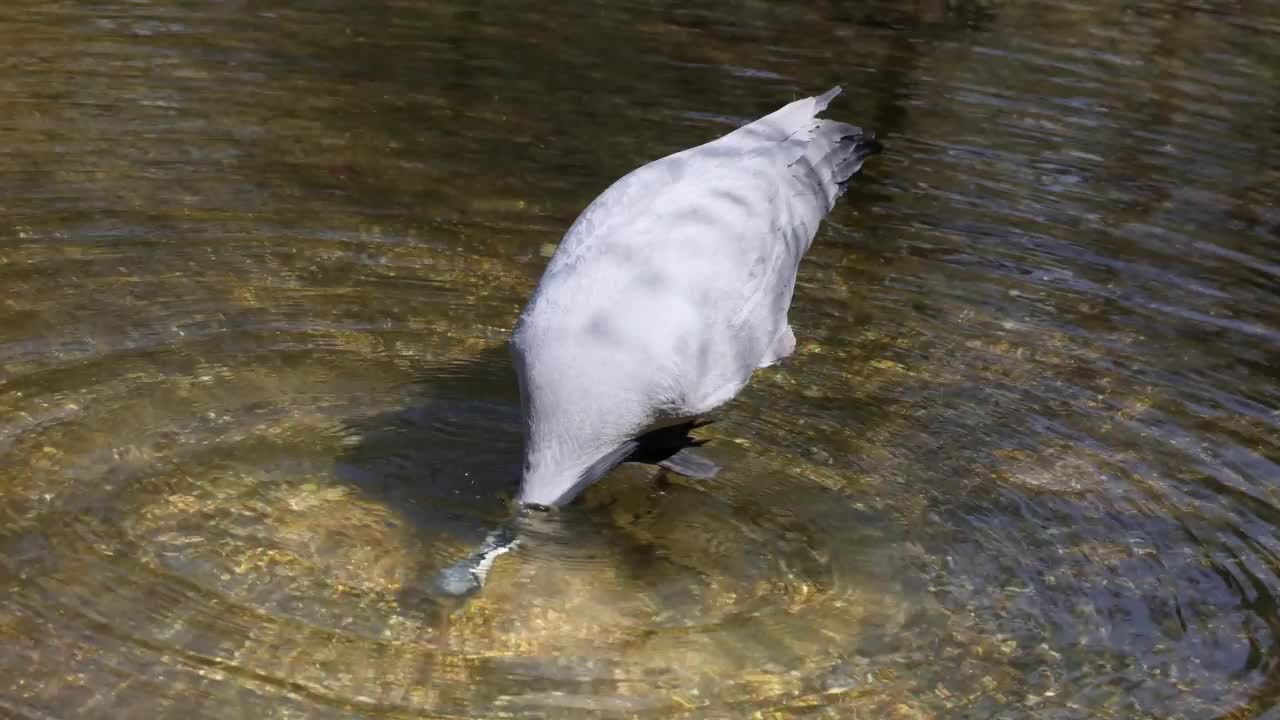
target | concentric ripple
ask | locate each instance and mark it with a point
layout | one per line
(258, 265)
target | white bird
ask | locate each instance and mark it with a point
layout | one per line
(668, 291)
(665, 295)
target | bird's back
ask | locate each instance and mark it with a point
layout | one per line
(674, 284)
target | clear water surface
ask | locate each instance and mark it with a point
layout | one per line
(259, 261)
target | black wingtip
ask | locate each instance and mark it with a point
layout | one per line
(864, 145)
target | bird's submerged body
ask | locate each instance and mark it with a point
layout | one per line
(670, 289)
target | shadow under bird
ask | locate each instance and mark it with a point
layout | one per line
(667, 292)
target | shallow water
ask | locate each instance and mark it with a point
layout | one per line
(259, 262)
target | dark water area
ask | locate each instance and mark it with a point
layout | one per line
(259, 261)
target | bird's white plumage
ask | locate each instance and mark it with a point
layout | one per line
(670, 289)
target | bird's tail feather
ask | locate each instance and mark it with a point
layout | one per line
(860, 146)
(835, 154)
